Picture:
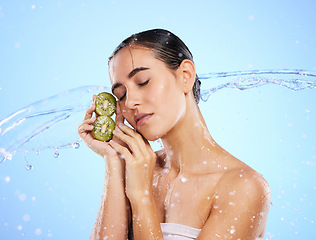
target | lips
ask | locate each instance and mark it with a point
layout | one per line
(142, 118)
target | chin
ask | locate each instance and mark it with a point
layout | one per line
(153, 138)
(150, 135)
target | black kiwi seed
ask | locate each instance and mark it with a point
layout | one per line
(103, 128)
(105, 104)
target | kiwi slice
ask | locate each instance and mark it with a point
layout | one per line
(103, 128)
(105, 104)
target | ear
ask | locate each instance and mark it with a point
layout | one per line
(187, 70)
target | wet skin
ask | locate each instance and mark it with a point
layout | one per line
(193, 181)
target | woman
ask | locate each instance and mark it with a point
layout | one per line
(192, 189)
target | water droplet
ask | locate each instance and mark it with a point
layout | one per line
(26, 218)
(180, 55)
(22, 197)
(56, 154)
(38, 231)
(5, 155)
(28, 167)
(76, 145)
(183, 179)
(7, 179)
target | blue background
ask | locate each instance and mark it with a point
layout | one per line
(51, 46)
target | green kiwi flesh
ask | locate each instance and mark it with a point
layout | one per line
(103, 128)
(105, 104)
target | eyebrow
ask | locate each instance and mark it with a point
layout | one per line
(130, 75)
(136, 70)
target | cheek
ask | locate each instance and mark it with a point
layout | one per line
(161, 92)
(127, 114)
(168, 95)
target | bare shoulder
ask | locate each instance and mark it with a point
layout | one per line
(246, 183)
(244, 195)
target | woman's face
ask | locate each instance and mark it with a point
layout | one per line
(150, 94)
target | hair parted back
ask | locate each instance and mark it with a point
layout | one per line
(166, 47)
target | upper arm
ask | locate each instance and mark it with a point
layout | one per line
(240, 208)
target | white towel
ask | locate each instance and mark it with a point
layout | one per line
(174, 231)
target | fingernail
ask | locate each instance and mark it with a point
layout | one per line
(121, 124)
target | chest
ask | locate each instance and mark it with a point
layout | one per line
(185, 200)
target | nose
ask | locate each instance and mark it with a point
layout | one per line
(132, 99)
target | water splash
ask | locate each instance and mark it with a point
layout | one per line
(52, 122)
(47, 124)
(295, 80)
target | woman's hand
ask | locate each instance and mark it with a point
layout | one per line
(140, 161)
(85, 132)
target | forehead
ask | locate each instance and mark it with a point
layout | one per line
(128, 59)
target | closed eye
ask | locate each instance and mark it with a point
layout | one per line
(143, 84)
(121, 98)
(140, 85)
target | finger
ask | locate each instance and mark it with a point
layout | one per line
(94, 97)
(141, 143)
(131, 132)
(119, 115)
(89, 121)
(89, 111)
(121, 150)
(148, 146)
(85, 128)
(129, 141)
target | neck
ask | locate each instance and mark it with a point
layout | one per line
(189, 144)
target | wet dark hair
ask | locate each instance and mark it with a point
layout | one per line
(166, 47)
